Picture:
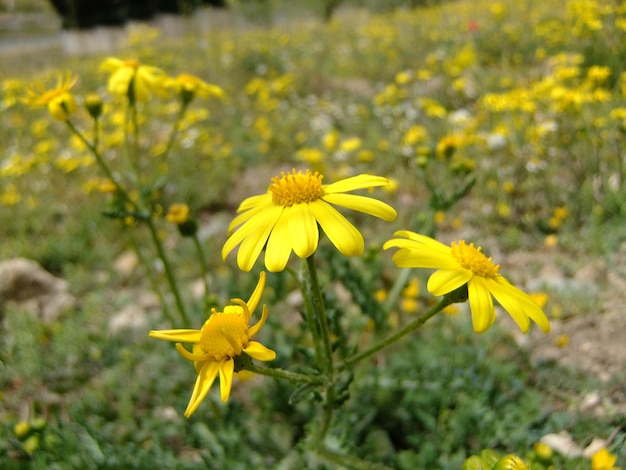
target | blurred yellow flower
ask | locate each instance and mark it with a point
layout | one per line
(350, 145)
(286, 218)
(562, 341)
(310, 155)
(510, 462)
(178, 214)
(188, 86)
(131, 79)
(59, 100)
(603, 460)
(461, 264)
(224, 336)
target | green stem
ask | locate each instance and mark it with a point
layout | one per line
(399, 334)
(348, 461)
(96, 134)
(102, 164)
(310, 320)
(134, 158)
(175, 128)
(284, 374)
(203, 265)
(169, 274)
(320, 312)
(327, 365)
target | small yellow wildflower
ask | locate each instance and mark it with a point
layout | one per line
(603, 460)
(107, 186)
(380, 295)
(177, 214)
(350, 145)
(461, 264)
(286, 218)
(223, 337)
(562, 341)
(310, 155)
(188, 86)
(131, 79)
(511, 462)
(59, 100)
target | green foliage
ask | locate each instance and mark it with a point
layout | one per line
(484, 115)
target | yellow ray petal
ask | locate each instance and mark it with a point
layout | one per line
(255, 329)
(446, 280)
(481, 304)
(407, 258)
(227, 370)
(259, 352)
(255, 201)
(518, 304)
(256, 295)
(420, 241)
(355, 182)
(303, 230)
(339, 230)
(206, 377)
(278, 246)
(364, 204)
(177, 336)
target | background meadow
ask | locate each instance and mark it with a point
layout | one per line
(516, 108)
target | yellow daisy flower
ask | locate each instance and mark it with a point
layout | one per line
(59, 100)
(603, 460)
(189, 86)
(286, 218)
(178, 214)
(224, 336)
(461, 264)
(130, 78)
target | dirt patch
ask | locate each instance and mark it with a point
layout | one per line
(590, 298)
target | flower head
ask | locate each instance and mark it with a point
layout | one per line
(286, 218)
(188, 86)
(178, 213)
(59, 100)
(603, 460)
(461, 264)
(224, 336)
(130, 78)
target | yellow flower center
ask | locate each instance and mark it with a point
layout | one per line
(296, 188)
(472, 259)
(224, 334)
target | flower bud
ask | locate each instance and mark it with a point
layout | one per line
(93, 104)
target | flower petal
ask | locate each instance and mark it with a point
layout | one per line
(518, 304)
(177, 336)
(253, 330)
(256, 295)
(259, 352)
(364, 204)
(446, 280)
(252, 235)
(417, 241)
(356, 182)
(227, 370)
(278, 246)
(247, 215)
(255, 201)
(303, 230)
(481, 304)
(339, 230)
(206, 377)
(408, 258)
